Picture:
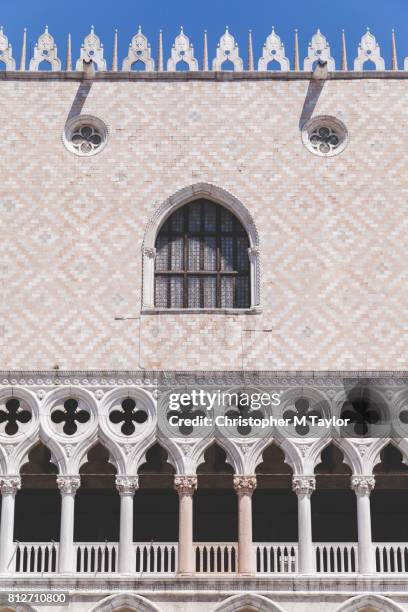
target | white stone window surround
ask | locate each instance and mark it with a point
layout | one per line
(334, 125)
(74, 126)
(168, 207)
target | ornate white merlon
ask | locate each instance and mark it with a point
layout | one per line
(185, 485)
(68, 485)
(319, 49)
(227, 50)
(92, 50)
(273, 50)
(6, 52)
(139, 51)
(303, 485)
(182, 51)
(127, 485)
(362, 485)
(369, 50)
(45, 51)
(245, 485)
(9, 485)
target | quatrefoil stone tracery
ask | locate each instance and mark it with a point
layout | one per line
(86, 140)
(71, 416)
(13, 416)
(127, 416)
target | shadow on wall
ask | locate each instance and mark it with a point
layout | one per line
(312, 96)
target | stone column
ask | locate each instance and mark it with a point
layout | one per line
(245, 486)
(304, 486)
(68, 485)
(9, 485)
(253, 254)
(126, 485)
(362, 486)
(185, 487)
(149, 257)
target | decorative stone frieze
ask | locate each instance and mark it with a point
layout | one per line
(68, 485)
(185, 485)
(303, 485)
(6, 52)
(362, 485)
(92, 51)
(273, 50)
(9, 485)
(244, 485)
(182, 51)
(45, 51)
(369, 50)
(127, 485)
(319, 49)
(139, 51)
(227, 50)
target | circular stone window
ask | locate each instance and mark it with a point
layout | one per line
(325, 136)
(85, 135)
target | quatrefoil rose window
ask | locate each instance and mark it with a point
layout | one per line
(325, 136)
(85, 135)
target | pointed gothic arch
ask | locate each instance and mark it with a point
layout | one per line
(252, 601)
(369, 602)
(185, 196)
(125, 600)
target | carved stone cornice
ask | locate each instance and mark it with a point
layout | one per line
(185, 485)
(9, 485)
(362, 485)
(303, 485)
(68, 485)
(127, 485)
(244, 485)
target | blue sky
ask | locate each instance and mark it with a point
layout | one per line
(76, 16)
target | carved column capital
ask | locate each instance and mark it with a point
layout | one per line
(127, 485)
(68, 485)
(362, 485)
(303, 485)
(244, 485)
(253, 252)
(149, 252)
(185, 485)
(9, 485)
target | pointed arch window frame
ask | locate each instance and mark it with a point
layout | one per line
(168, 207)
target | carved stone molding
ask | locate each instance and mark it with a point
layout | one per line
(362, 485)
(68, 485)
(245, 485)
(303, 485)
(185, 485)
(9, 485)
(127, 485)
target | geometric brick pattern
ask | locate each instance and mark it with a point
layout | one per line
(333, 232)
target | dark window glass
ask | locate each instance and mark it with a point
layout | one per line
(202, 259)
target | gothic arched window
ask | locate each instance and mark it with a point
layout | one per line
(202, 259)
